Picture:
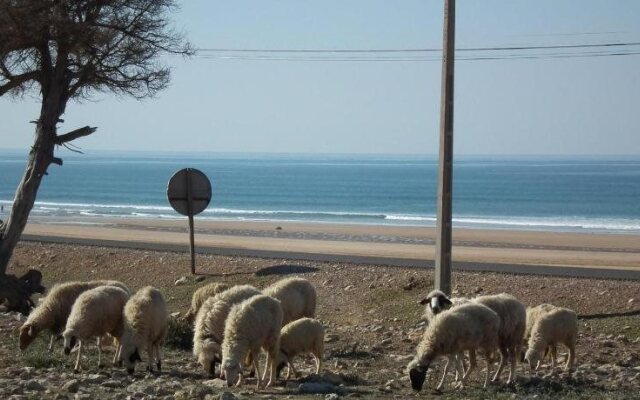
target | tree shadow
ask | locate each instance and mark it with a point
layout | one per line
(285, 269)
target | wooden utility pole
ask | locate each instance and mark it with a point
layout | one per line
(445, 166)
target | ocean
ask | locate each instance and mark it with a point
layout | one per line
(577, 194)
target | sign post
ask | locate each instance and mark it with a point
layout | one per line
(189, 193)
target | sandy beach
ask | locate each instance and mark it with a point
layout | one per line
(525, 248)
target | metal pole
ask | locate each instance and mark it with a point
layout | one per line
(445, 166)
(190, 212)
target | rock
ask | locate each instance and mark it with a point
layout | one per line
(83, 396)
(340, 364)
(216, 383)
(141, 387)
(34, 385)
(95, 378)
(348, 287)
(113, 383)
(181, 281)
(71, 386)
(175, 315)
(386, 342)
(330, 338)
(313, 387)
(631, 301)
(227, 396)
(331, 396)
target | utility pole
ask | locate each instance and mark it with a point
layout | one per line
(445, 165)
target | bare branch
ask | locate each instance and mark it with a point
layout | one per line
(17, 82)
(75, 134)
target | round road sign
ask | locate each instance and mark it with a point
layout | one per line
(189, 191)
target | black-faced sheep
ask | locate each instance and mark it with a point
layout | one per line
(468, 327)
(251, 325)
(200, 296)
(145, 327)
(210, 324)
(298, 298)
(96, 312)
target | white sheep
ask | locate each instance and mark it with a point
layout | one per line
(533, 314)
(145, 327)
(468, 327)
(210, 323)
(305, 335)
(200, 296)
(298, 298)
(253, 324)
(436, 302)
(556, 326)
(513, 319)
(52, 313)
(96, 312)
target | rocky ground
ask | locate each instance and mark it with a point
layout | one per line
(371, 314)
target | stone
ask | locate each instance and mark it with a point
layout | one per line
(71, 386)
(180, 281)
(113, 383)
(316, 388)
(216, 383)
(331, 396)
(175, 315)
(34, 385)
(227, 396)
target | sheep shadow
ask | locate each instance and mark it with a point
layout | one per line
(285, 269)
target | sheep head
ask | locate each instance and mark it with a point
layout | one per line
(417, 374)
(232, 372)
(70, 341)
(437, 301)
(27, 335)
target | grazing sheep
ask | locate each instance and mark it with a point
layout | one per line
(52, 313)
(556, 326)
(513, 320)
(200, 296)
(145, 327)
(253, 324)
(96, 312)
(305, 335)
(464, 328)
(298, 298)
(210, 323)
(533, 314)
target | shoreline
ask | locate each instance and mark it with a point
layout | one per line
(522, 251)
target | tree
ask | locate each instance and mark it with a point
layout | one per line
(70, 50)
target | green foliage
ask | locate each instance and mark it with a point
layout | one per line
(179, 334)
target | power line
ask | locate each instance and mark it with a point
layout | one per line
(420, 50)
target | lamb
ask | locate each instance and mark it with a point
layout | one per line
(145, 327)
(556, 326)
(513, 319)
(468, 327)
(210, 323)
(253, 324)
(533, 314)
(96, 312)
(200, 296)
(298, 298)
(53, 312)
(305, 335)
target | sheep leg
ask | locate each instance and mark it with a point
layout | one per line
(77, 367)
(487, 357)
(504, 355)
(458, 365)
(158, 358)
(512, 368)
(116, 356)
(256, 366)
(554, 354)
(150, 357)
(99, 351)
(446, 369)
(53, 336)
(272, 358)
(295, 373)
(473, 362)
(572, 356)
(318, 362)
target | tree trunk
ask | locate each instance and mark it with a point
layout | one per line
(40, 158)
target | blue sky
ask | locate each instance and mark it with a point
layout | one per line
(557, 106)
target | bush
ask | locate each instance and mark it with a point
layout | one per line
(179, 334)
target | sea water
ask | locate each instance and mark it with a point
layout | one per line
(594, 194)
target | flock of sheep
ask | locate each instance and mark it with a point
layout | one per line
(489, 324)
(233, 324)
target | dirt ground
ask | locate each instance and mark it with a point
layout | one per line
(372, 319)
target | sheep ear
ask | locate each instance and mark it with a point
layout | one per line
(446, 301)
(424, 301)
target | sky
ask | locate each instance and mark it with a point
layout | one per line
(566, 106)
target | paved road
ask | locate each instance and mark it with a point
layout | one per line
(578, 272)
